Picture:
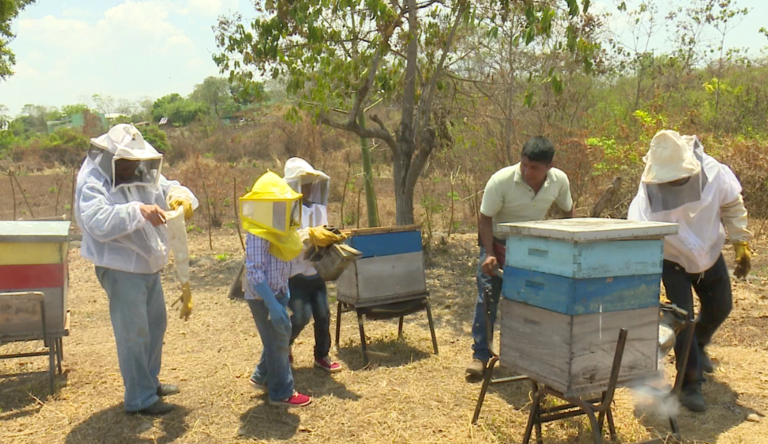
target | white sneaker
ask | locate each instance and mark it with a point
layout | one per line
(257, 386)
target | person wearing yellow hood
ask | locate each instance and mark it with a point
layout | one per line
(271, 215)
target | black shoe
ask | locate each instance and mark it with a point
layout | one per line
(706, 363)
(692, 399)
(156, 409)
(167, 390)
(476, 369)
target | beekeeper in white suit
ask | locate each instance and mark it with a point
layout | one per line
(682, 184)
(121, 204)
(309, 296)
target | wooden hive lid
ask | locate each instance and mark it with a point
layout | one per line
(381, 230)
(589, 229)
(34, 231)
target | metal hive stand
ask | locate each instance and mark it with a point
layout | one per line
(383, 312)
(52, 340)
(597, 410)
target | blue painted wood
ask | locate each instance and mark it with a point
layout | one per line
(585, 260)
(581, 296)
(386, 244)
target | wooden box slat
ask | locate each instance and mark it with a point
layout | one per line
(581, 296)
(386, 244)
(55, 313)
(574, 354)
(589, 229)
(585, 260)
(384, 278)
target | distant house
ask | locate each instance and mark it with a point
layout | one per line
(76, 120)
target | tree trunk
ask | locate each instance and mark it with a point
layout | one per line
(404, 199)
(403, 191)
(370, 193)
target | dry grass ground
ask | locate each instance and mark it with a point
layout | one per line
(409, 395)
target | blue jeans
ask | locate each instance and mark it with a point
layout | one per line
(309, 299)
(273, 369)
(479, 326)
(137, 311)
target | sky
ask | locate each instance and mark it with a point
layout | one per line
(68, 50)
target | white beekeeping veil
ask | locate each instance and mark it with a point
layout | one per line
(298, 172)
(124, 156)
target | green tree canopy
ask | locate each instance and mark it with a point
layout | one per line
(179, 110)
(349, 54)
(215, 92)
(9, 10)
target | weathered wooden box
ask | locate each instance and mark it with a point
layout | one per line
(574, 354)
(569, 287)
(391, 268)
(580, 266)
(33, 257)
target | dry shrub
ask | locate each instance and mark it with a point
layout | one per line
(749, 161)
(577, 159)
(214, 185)
(267, 136)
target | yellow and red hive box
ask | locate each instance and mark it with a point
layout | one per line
(33, 257)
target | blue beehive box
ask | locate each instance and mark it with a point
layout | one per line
(569, 287)
(582, 266)
(390, 270)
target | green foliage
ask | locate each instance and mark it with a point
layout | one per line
(157, 138)
(192, 228)
(215, 92)
(179, 110)
(9, 10)
(223, 257)
(77, 108)
(65, 146)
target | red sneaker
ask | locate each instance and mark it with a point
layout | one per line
(296, 400)
(328, 365)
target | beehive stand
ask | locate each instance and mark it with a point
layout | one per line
(33, 282)
(573, 407)
(387, 282)
(571, 287)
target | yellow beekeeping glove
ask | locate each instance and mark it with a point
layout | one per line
(177, 202)
(323, 237)
(743, 259)
(186, 302)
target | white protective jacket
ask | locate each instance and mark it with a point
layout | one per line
(115, 234)
(701, 236)
(314, 213)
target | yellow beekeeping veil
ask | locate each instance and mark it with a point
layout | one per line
(272, 211)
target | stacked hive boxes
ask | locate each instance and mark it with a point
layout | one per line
(391, 268)
(33, 257)
(569, 287)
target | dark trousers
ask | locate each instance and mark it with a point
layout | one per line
(309, 299)
(713, 287)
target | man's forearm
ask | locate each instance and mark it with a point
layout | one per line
(486, 234)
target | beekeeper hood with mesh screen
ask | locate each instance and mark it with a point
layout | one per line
(313, 185)
(272, 211)
(684, 185)
(120, 175)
